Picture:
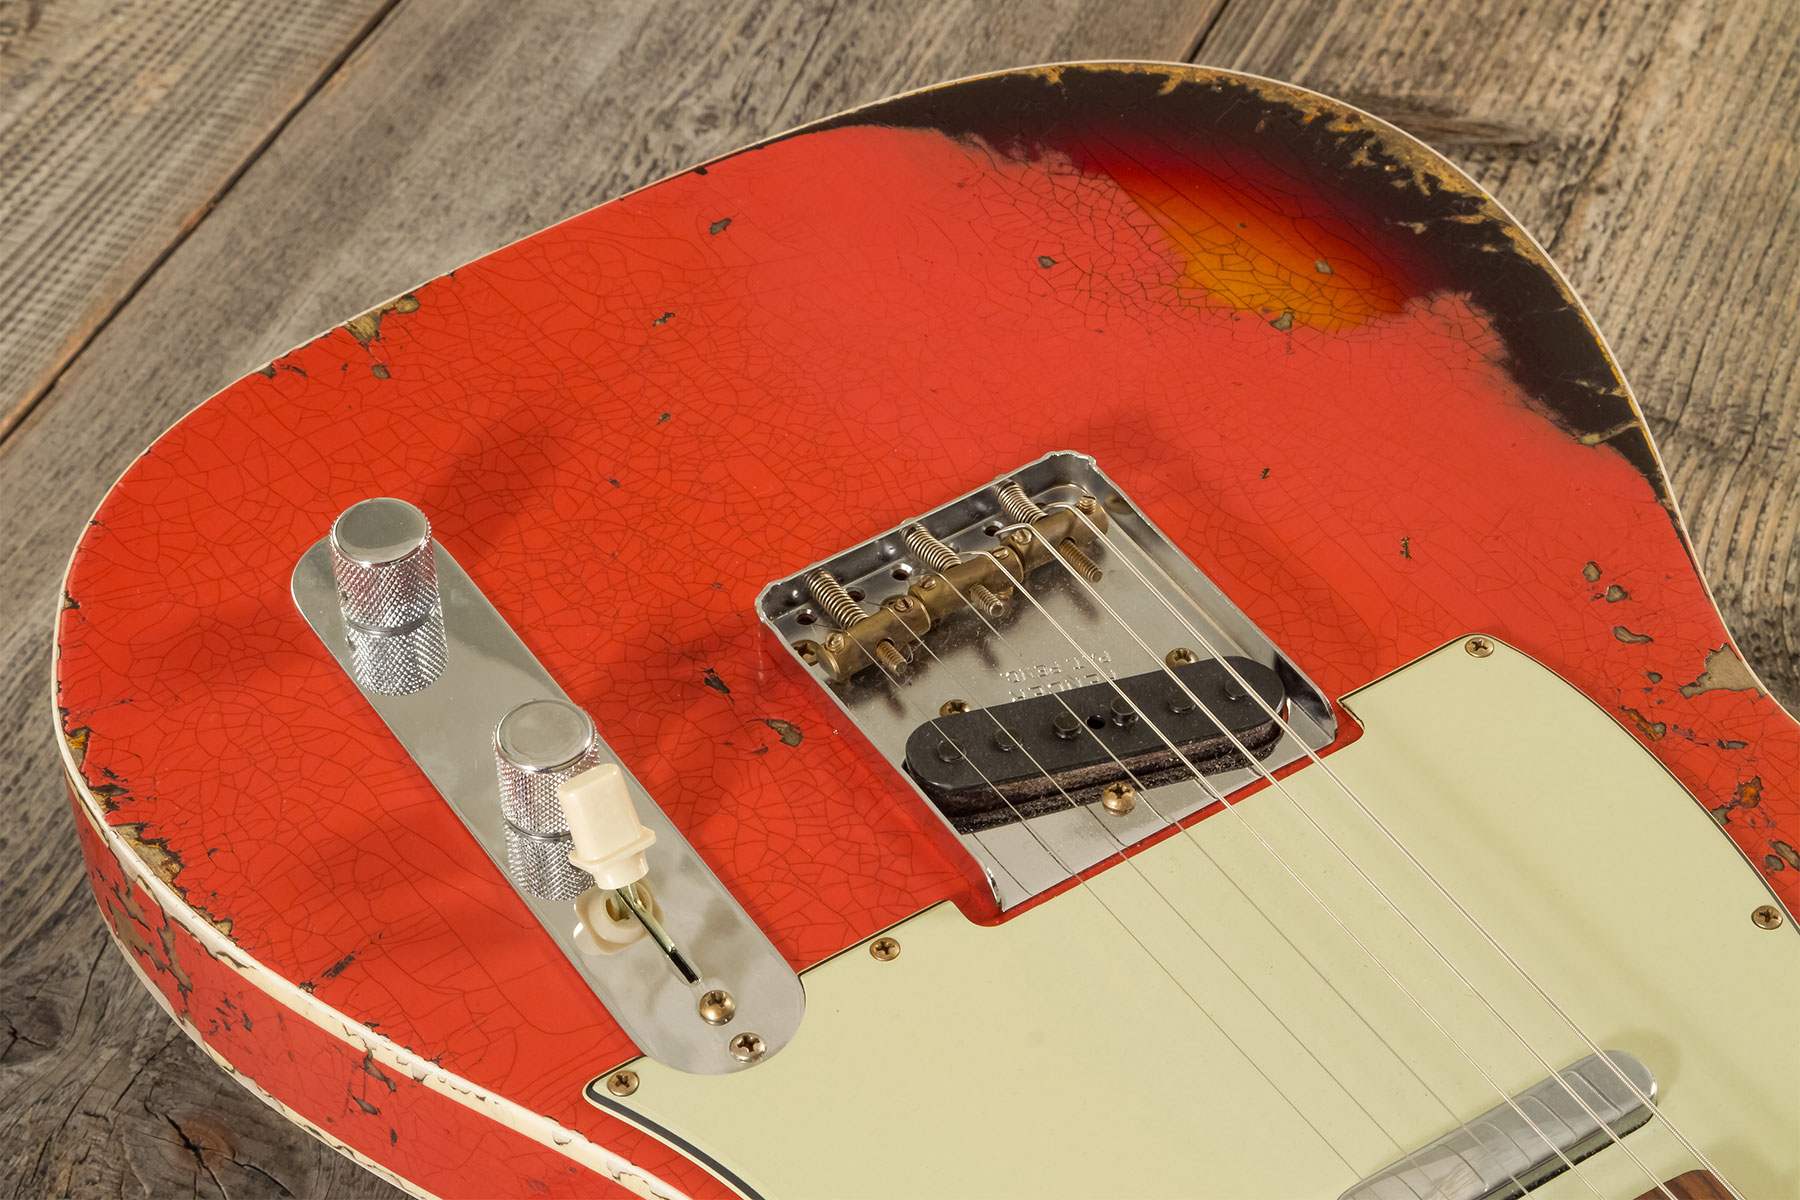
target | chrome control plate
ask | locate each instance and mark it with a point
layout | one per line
(1063, 635)
(448, 728)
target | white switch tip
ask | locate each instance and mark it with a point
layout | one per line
(603, 824)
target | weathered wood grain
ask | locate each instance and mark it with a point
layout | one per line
(1651, 147)
(452, 130)
(119, 124)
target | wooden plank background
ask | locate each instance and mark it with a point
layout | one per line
(190, 187)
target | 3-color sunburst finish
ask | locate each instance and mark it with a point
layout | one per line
(1328, 366)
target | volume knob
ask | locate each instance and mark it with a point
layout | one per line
(386, 572)
(537, 746)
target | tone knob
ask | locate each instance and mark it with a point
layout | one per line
(538, 745)
(386, 572)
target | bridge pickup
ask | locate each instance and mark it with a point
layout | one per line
(992, 766)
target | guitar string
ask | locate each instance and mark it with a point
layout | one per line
(1511, 1102)
(1072, 805)
(1437, 885)
(1215, 795)
(901, 690)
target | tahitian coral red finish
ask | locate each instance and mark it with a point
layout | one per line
(1329, 367)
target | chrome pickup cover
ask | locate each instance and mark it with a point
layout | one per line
(1498, 1155)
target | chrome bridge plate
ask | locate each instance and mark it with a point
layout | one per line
(1058, 633)
(448, 728)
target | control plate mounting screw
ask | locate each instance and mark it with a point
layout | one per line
(717, 1006)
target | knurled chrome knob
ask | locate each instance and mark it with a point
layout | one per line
(386, 571)
(536, 746)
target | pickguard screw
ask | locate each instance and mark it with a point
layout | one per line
(1181, 656)
(950, 708)
(1480, 647)
(1118, 798)
(622, 1083)
(884, 949)
(1766, 917)
(1067, 725)
(748, 1047)
(717, 1007)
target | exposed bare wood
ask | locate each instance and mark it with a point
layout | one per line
(119, 124)
(1651, 147)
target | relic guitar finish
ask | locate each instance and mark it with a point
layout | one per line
(1295, 379)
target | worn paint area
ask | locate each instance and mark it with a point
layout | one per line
(1321, 362)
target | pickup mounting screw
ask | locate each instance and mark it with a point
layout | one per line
(1479, 647)
(950, 708)
(717, 1007)
(748, 1047)
(884, 949)
(1118, 798)
(1181, 656)
(622, 1083)
(1766, 917)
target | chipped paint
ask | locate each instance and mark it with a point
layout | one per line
(1724, 671)
(1630, 638)
(366, 327)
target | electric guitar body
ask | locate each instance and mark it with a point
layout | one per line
(1148, 635)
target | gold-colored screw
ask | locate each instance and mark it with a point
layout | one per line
(748, 1047)
(1079, 562)
(622, 1082)
(1086, 503)
(903, 604)
(884, 949)
(1181, 656)
(717, 1006)
(1766, 917)
(1479, 647)
(952, 707)
(836, 642)
(1118, 798)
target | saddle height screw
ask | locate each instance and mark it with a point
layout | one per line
(622, 1083)
(717, 1007)
(1479, 647)
(884, 949)
(1021, 507)
(1766, 917)
(1118, 798)
(836, 600)
(748, 1047)
(941, 558)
